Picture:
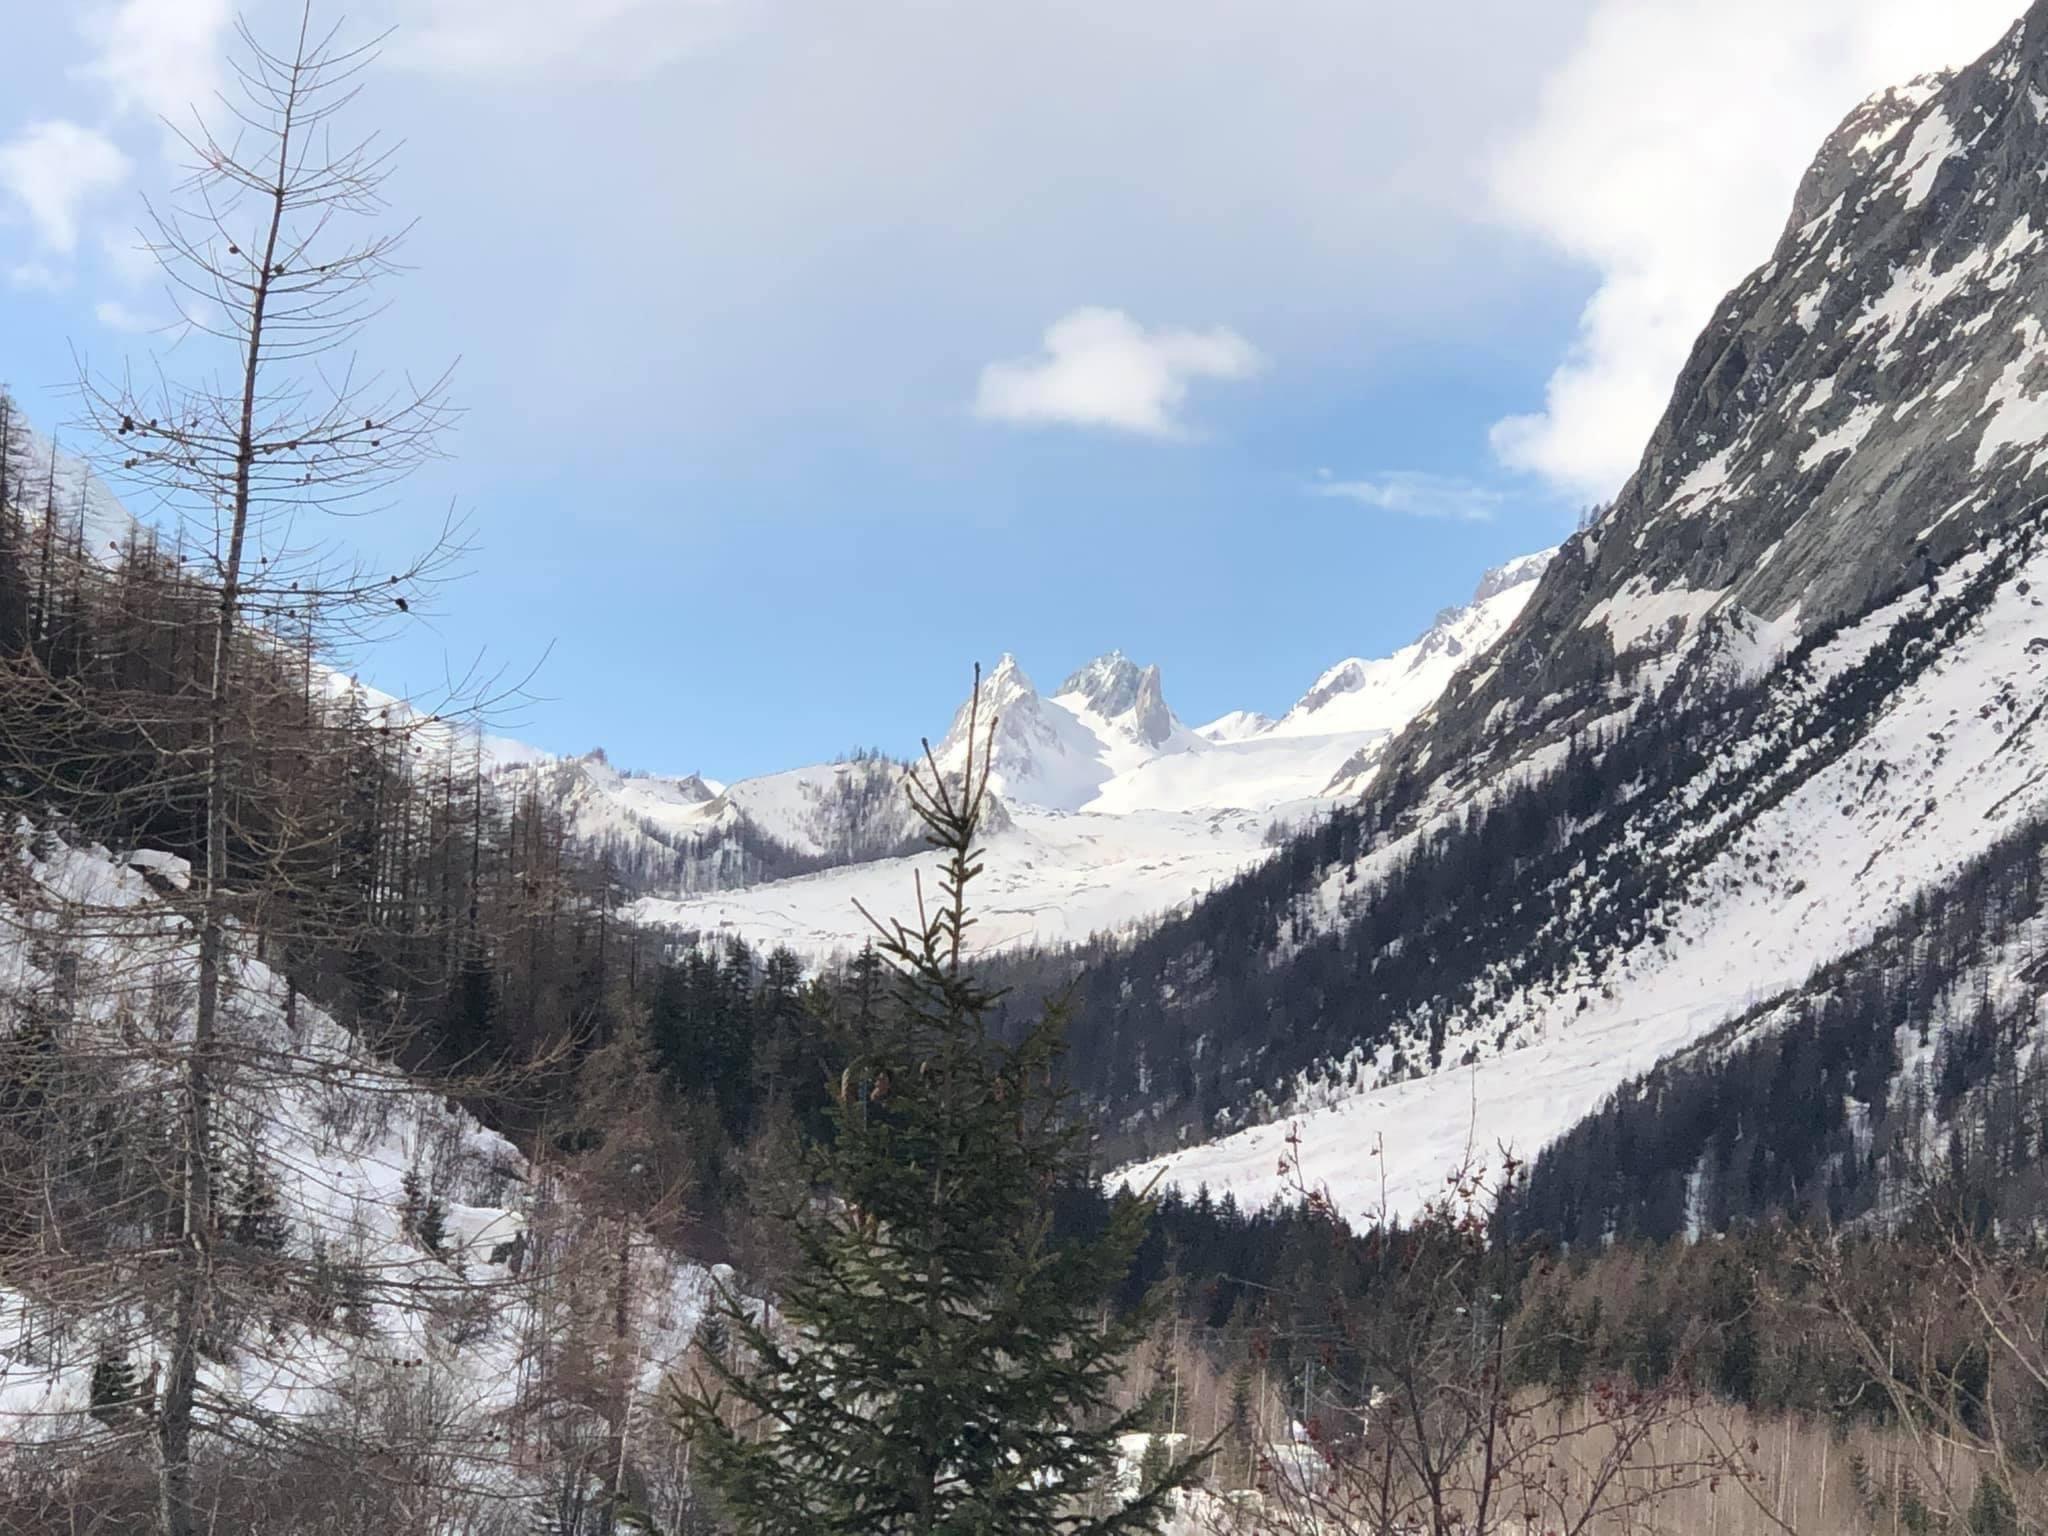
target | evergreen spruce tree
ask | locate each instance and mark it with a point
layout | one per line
(948, 1365)
(473, 1008)
(115, 1392)
(1993, 1511)
(258, 1220)
(422, 1213)
(1157, 1465)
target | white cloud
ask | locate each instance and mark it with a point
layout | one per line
(1100, 368)
(1664, 154)
(1415, 494)
(508, 39)
(39, 276)
(116, 316)
(830, 201)
(52, 169)
(127, 257)
(161, 57)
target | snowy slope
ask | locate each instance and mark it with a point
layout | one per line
(1838, 519)
(340, 1131)
(1050, 878)
(1384, 695)
(1235, 726)
(1813, 864)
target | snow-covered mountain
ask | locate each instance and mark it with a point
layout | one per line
(49, 480)
(1861, 410)
(1777, 699)
(690, 833)
(1725, 887)
(1059, 754)
(1108, 809)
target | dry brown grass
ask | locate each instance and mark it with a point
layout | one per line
(1764, 1474)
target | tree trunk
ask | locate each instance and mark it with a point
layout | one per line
(624, 1369)
(174, 1421)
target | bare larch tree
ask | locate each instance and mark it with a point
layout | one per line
(273, 249)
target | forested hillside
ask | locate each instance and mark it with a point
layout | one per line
(1771, 703)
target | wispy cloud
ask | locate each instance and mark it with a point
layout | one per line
(159, 57)
(1100, 368)
(504, 40)
(39, 276)
(1642, 172)
(52, 169)
(116, 316)
(1412, 493)
(127, 258)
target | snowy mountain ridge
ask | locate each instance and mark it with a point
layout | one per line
(1776, 698)
(1786, 846)
(1858, 412)
(1106, 808)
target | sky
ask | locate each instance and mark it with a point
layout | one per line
(810, 351)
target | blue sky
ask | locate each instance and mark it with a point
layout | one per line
(1240, 336)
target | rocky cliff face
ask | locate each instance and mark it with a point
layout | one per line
(1862, 137)
(1783, 698)
(1864, 407)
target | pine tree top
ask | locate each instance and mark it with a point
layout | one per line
(940, 1361)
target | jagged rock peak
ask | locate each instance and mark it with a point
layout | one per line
(1117, 688)
(1150, 718)
(1005, 684)
(1849, 151)
(1007, 695)
(1009, 672)
(1109, 683)
(1515, 573)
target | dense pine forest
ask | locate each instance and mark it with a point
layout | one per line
(1909, 1056)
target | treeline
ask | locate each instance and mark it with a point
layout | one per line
(1305, 967)
(854, 813)
(1764, 1317)
(408, 884)
(1908, 1061)
(430, 904)
(422, 904)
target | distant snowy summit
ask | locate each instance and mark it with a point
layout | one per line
(1106, 807)
(1384, 695)
(1376, 699)
(1105, 742)
(1107, 721)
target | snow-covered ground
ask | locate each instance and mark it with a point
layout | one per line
(1051, 877)
(1955, 760)
(339, 1132)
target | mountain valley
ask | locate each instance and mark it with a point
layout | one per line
(1582, 1073)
